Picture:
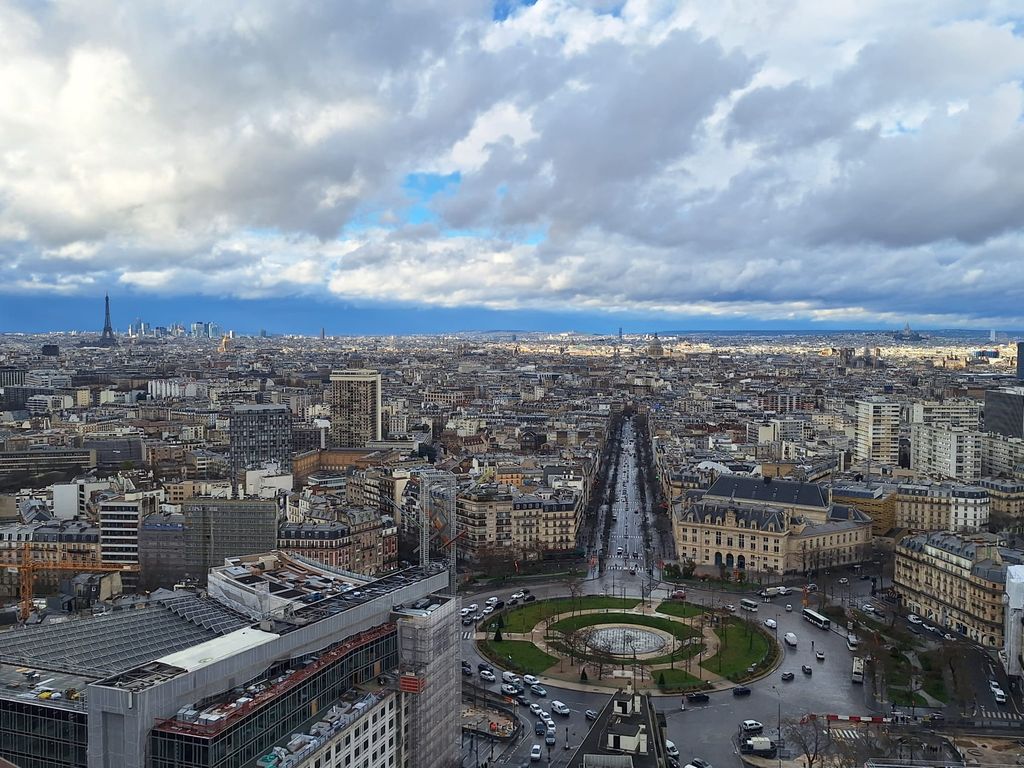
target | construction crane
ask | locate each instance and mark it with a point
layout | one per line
(27, 567)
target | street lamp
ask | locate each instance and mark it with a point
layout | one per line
(778, 743)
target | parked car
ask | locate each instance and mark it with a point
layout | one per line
(697, 698)
(806, 669)
(787, 676)
(741, 690)
(752, 727)
(671, 749)
(698, 763)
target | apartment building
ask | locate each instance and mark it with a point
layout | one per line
(957, 582)
(877, 430)
(260, 434)
(354, 399)
(876, 500)
(1006, 496)
(945, 452)
(942, 507)
(361, 541)
(957, 412)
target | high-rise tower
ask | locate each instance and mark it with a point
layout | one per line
(107, 339)
(354, 398)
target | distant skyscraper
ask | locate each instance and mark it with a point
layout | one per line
(261, 433)
(1020, 360)
(992, 335)
(107, 339)
(355, 402)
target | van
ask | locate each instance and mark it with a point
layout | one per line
(509, 677)
(790, 639)
(559, 707)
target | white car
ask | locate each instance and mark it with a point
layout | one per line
(535, 708)
(535, 754)
(472, 607)
(492, 600)
(1000, 697)
(731, 608)
(844, 580)
(751, 726)
(518, 595)
(464, 612)
(994, 685)
(509, 689)
(530, 680)
(488, 610)
(913, 618)
(789, 608)
(488, 676)
(560, 708)
(671, 749)
(770, 623)
(868, 608)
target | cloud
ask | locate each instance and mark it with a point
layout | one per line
(860, 162)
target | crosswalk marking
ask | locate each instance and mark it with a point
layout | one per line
(467, 635)
(846, 734)
(998, 715)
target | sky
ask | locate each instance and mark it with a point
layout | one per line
(398, 167)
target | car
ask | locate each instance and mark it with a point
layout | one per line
(913, 618)
(467, 621)
(488, 610)
(672, 762)
(770, 623)
(529, 599)
(530, 680)
(697, 698)
(539, 728)
(521, 698)
(590, 714)
(478, 617)
(525, 591)
(698, 763)
(789, 608)
(545, 716)
(492, 600)
(508, 690)
(948, 636)
(518, 595)
(467, 671)
(787, 676)
(812, 587)
(741, 690)
(1000, 697)
(936, 717)
(819, 655)
(560, 708)
(752, 727)
(535, 754)
(864, 577)
(730, 608)
(679, 594)
(806, 669)
(549, 737)
(472, 608)
(538, 690)
(868, 608)
(671, 749)
(512, 601)
(487, 675)
(844, 580)
(994, 685)
(484, 665)
(549, 723)
(464, 612)
(499, 604)
(510, 677)
(535, 708)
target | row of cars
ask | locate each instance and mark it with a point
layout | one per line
(473, 613)
(916, 620)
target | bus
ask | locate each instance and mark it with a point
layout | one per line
(816, 619)
(852, 642)
(748, 605)
(858, 670)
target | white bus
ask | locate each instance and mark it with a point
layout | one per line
(816, 619)
(748, 605)
(858, 670)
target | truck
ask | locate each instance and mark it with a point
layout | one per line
(760, 746)
(773, 591)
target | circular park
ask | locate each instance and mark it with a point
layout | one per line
(672, 646)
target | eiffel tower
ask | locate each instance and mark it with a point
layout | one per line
(107, 339)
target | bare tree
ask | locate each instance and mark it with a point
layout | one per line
(575, 587)
(809, 735)
(601, 657)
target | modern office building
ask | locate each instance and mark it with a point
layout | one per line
(956, 582)
(1004, 411)
(260, 434)
(354, 399)
(878, 430)
(1020, 360)
(282, 663)
(46, 459)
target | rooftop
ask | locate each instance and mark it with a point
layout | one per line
(769, 490)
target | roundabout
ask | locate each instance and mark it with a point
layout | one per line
(626, 641)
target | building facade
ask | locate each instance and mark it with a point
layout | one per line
(1004, 411)
(945, 452)
(955, 582)
(942, 507)
(877, 431)
(354, 399)
(261, 434)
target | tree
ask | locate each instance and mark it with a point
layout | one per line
(497, 635)
(575, 592)
(661, 680)
(601, 657)
(808, 735)
(688, 567)
(501, 621)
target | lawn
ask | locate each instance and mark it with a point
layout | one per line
(742, 644)
(525, 617)
(572, 623)
(677, 680)
(932, 679)
(680, 609)
(902, 698)
(520, 655)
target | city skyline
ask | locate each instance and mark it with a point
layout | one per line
(518, 159)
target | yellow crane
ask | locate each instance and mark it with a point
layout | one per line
(27, 567)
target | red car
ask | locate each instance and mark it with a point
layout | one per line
(679, 594)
